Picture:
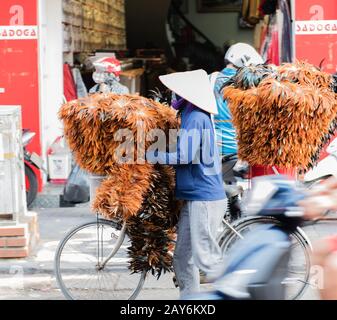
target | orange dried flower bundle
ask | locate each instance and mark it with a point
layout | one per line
(152, 232)
(91, 126)
(285, 118)
(140, 194)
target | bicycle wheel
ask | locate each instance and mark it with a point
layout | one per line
(91, 263)
(299, 263)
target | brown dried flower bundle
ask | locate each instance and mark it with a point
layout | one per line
(285, 119)
(140, 194)
(92, 124)
(152, 232)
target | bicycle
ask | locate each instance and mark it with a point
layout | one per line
(102, 244)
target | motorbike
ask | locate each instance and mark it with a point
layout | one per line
(31, 160)
(235, 178)
(235, 174)
(256, 266)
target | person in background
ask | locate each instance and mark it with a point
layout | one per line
(106, 75)
(198, 179)
(237, 56)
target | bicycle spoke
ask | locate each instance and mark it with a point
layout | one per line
(77, 267)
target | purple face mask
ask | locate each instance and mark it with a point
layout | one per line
(182, 103)
(179, 103)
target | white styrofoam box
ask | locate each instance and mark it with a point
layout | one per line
(59, 166)
(12, 193)
(94, 181)
(7, 203)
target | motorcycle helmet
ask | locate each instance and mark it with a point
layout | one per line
(108, 65)
(106, 69)
(243, 55)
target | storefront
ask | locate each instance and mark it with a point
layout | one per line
(41, 41)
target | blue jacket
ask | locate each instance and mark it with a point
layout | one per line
(226, 135)
(196, 159)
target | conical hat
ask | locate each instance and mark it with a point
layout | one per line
(193, 86)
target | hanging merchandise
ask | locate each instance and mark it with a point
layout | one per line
(260, 34)
(285, 32)
(270, 46)
(268, 7)
(69, 87)
(81, 89)
(140, 194)
(283, 115)
(276, 42)
(250, 11)
(273, 52)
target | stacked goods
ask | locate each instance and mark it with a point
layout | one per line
(93, 127)
(283, 115)
(152, 232)
(101, 130)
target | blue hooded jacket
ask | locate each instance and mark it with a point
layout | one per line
(225, 131)
(196, 159)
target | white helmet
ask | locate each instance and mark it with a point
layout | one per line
(243, 55)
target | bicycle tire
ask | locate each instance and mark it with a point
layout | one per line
(31, 191)
(229, 235)
(57, 261)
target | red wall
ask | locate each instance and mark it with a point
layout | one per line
(316, 32)
(19, 62)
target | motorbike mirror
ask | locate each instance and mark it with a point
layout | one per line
(27, 137)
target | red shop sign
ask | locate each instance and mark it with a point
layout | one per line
(19, 76)
(316, 32)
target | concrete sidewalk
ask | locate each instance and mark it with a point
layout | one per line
(33, 278)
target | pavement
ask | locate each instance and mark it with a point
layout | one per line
(33, 278)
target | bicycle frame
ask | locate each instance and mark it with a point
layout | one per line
(116, 248)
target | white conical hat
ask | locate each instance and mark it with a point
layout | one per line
(193, 86)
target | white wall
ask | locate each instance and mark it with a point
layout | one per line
(51, 70)
(219, 26)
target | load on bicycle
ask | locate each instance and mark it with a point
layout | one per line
(273, 108)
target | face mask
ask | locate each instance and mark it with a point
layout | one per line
(179, 103)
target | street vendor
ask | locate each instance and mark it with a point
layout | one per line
(237, 56)
(198, 179)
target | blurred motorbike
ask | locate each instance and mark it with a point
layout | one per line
(257, 265)
(31, 160)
